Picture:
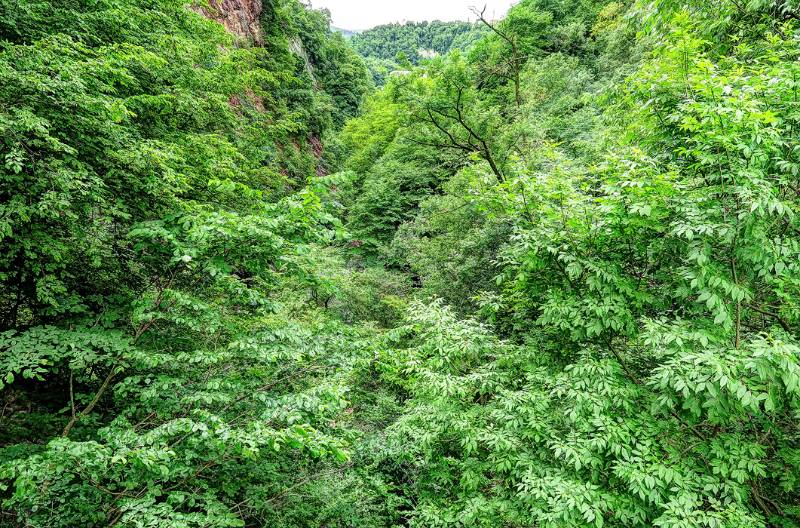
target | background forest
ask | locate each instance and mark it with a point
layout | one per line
(393, 47)
(548, 278)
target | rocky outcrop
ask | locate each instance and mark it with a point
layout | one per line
(240, 17)
(296, 46)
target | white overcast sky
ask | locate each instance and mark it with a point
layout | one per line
(364, 14)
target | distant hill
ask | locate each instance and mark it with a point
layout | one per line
(415, 41)
(346, 33)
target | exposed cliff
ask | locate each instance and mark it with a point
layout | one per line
(297, 47)
(240, 17)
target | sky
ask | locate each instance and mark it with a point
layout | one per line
(364, 14)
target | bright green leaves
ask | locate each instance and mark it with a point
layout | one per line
(44, 351)
(728, 385)
(163, 475)
(194, 429)
(599, 290)
(578, 446)
(644, 281)
(120, 114)
(368, 135)
(732, 114)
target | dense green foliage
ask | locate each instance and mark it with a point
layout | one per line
(549, 279)
(154, 203)
(605, 197)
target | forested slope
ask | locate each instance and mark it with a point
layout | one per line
(552, 280)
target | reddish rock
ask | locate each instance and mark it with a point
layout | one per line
(256, 100)
(240, 17)
(318, 149)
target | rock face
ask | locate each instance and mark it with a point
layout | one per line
(240, 17)
(296, 46)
